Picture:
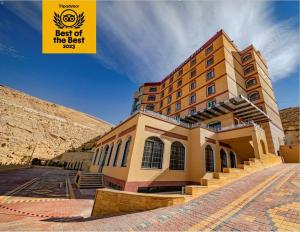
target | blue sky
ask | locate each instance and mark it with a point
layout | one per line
(137, 45)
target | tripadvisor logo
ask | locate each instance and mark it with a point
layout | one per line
(68, 19)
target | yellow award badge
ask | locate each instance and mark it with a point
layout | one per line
(69, 26)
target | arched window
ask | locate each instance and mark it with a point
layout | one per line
(223, 157)
(117, 153)
(209, 159)
(250, 82)
(100, 156)
(248, 69)
(153, 153)
(232, 160)
(253, 96)
(177, 157)
(110, 152)
(150, 107)
(125, 153)
(105, 154)
(263, 147)
(95, 156)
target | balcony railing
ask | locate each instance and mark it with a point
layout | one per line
(199, 124)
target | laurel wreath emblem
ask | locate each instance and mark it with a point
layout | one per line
(61, 25)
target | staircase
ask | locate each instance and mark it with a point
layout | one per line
(88, 180)
(248, 167)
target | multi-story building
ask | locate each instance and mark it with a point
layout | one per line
(216, 72)
(217, 109)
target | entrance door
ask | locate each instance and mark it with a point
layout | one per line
(232, 160)
(223, 159)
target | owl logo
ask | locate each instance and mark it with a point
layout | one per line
(68, 19)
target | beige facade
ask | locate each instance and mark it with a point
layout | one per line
(239, 143)
(216, 72)
(215, 111)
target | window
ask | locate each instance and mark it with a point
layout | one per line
(192, 98)
(162, 94)
(152, 89)
(177, 106)
(95, 156)
(193, 73)
(153, 153)
(216, 126)
(253, 96)
(246, 58)
(169, 99)
(100, 156)
(250, 82)
(161, 104)
(179, 83)
(104, 156)
(110, 152)
(193, 62)
(117, 153)
(151, 98)
(192, 111)
(209, 62)
(211, 103)
(150, 107)
(193, 85)
(180, 72)
(178, 94)
(248, 69)
(211, 89)
(209, 50)
(170, 89)
(209, 159)
(177, 157)
(125, 153)
(168, 110)
(210, 74)
(163, 85)
(171, 79)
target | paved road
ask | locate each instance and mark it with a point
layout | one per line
(264, 201)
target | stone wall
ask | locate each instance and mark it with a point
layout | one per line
(114, 202)
(74, 159)
(290, 153)
(290, 123)
(41, 129)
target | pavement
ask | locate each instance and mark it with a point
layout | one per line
(39, 199)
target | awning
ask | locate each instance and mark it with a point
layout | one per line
(240, 106)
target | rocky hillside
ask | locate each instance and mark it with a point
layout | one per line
(29, 125)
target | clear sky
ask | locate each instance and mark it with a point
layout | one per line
(140, 42)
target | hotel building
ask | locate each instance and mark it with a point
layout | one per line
(215, 110)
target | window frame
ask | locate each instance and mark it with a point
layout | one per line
(213, 74)
(209, 86)
(209, 49)
(172, 165)
(252, 93)
(190, 98)
(151, 98)
(193, 73)
(191, 85)
(250, 79)
(151, 89)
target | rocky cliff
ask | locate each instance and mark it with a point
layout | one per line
(33, 127)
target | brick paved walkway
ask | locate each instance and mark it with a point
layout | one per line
(264, 201)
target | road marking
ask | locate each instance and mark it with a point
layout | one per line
(226, 212)
(9, 194)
